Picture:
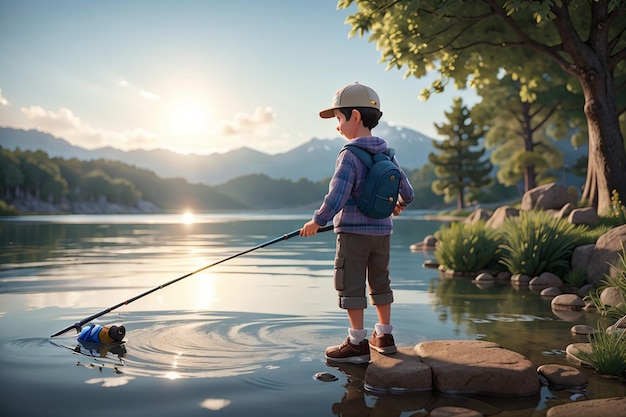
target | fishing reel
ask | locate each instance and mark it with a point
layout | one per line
(95, 333)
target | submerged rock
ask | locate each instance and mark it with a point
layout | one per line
(563, 376)
(613, 407)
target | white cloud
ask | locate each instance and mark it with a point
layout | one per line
(243, 123)
(3, 101)
(64, 123)
(148, 95)
(62, 119)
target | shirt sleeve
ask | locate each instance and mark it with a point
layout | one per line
(339, 189)
(406, 190)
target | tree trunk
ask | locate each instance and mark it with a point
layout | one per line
(530, 177)
(606, 169)
(591, 66)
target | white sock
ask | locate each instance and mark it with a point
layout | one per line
(383, 328)
(357, 335)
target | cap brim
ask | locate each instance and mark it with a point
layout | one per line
(328, 113)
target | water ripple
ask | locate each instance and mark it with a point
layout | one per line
(178, 346)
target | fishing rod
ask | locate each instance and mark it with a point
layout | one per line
(78, 325)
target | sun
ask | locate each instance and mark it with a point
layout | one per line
(189, 118)
(188, 217)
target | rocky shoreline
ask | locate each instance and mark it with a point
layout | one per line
(30, 205)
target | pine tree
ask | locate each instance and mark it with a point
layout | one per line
(458, 164)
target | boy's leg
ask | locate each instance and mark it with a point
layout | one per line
(350, 272)
(355, 315)
(384, 313)
(355, 349)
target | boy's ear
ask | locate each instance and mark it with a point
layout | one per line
(357, 116)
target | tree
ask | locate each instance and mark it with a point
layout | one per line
(518, 130)
(474, 41)
(457, 165)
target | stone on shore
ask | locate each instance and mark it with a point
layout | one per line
(605, 253)
(545, 280)
(454, 412)
(465, 366)
(563, 376)
(550, 196)
(567, 302)
(402, 371)
(574, 351)
(582, 329)
(613, 407)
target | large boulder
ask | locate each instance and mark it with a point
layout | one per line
(469, 366)
(500, 215)
(582, 256)
(551, 196)
(586, 215)
(478, 215)
(606, 252)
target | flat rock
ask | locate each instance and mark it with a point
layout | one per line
(402, 371)
(454, 412)
(573, 352)
(563, 376)
(468, 366)
(613, 407)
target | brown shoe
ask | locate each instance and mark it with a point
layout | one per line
(348, 352)
(383, 343)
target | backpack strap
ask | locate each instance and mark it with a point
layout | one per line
(366, 156)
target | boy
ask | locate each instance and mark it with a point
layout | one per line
(363, 243)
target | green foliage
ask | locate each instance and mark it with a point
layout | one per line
(533, 42)
(421, 179)
(467, 248)
(36, 175)
(458, 165)
(618, 211)
(523, 148)
(537, 242)
(576, 277)
(7, 210)
(608, 352)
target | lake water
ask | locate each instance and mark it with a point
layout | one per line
(244, 337)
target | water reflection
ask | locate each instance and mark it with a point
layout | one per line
(251, 332)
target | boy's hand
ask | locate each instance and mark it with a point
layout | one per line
(309, 229)
(399, 208)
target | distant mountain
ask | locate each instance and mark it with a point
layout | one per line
(313, 160)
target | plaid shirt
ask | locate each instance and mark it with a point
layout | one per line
(348, 181)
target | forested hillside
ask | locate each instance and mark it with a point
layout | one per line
(27, 176)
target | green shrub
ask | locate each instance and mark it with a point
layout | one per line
(608, 352)
(618, 211)
(576, 277)
(537, 242)
(468, 248)
(7, 210)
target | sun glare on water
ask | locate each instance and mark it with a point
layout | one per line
(188, 217)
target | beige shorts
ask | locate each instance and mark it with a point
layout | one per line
(361, 258)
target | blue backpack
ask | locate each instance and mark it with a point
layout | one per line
(382, 185)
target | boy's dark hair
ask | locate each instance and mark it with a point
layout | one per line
(370, 116)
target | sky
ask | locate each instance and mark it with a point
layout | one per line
(193, 76)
